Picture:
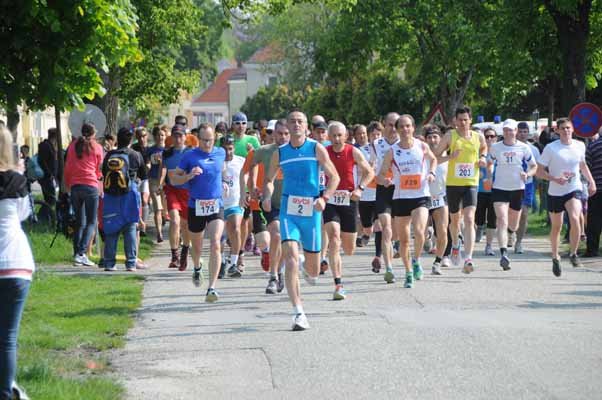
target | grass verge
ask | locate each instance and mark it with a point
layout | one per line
(68, 322)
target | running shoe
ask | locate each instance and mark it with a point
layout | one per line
(505, 262)
(280, 284)
(313, 281)
(479, 234)
(183, 258)
(376, 265)
(323, 266)
(418, 272)
(358, 242)
(249, 244)
(265, 260)
(445, 262)
(18, 392)
(300, 322)
(339, 293)
(131, 268)
(240, 263)
(489, 250)
(389, 275)
(197, 277)
(174, 263)
(436, 268)
(397, 254)
(140, 264)
(365, 240)
(518, 248)
(234, 272)
(256, 251)
(159, 239)
(556, 267)
(455, 256)
(409, 283)
(211, 296)
(110, 268)
(575, 261)
(468, 266)
(83, 260)
(272, 286)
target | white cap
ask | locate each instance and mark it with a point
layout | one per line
(510, 124)
(271, 125)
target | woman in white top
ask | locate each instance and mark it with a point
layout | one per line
(565, 160)
(413, 165)
(16, 261)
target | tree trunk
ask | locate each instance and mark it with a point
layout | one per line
(59, 147)
(572, 30)
(551, 101)
(12, 119)
(109, 103)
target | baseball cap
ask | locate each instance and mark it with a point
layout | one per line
(320, 125)
(523, 125)
(509, 123)
(271, 125)
(239, 117)
(178, 130)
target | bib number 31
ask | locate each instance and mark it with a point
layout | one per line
(300, 206)
(204, 208)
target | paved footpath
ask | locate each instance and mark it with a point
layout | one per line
(521, 334)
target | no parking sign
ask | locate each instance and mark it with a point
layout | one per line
(586, 118)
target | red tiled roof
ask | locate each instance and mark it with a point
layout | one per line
(266, 55)
(218, 91)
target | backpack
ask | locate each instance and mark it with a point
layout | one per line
(34, 171)
(118, 211)
(117, 178)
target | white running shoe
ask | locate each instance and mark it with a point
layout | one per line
(445, 262)
(300, 322)
(83, 260)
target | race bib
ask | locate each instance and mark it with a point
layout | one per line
(570, 176)
(230, 181)
(322, 178)
(340, 198)
(300, 206)
(487, 185)
(436, 201)
(204, 208)
(410, 182)
(465, 170)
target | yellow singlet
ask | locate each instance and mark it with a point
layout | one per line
(464, 170)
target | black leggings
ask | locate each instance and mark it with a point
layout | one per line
(485, 212)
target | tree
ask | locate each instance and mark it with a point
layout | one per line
(54, 50)
(272, 102)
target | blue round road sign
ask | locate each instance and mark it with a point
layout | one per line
(586, 118)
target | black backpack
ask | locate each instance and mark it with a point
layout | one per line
(117, 177)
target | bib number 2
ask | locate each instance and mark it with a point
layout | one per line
(300, 206)
(204, 208)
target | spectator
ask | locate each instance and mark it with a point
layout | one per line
(16, 263)
(137, 173)
(108, 143)
(82, 175)
(593, 157)
(48, 160)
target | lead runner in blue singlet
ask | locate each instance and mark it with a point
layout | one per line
(301, 205)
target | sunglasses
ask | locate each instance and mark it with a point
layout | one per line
(489, 136)
(240, 123)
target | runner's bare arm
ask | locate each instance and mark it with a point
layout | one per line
(367, 171)
(441, 147)
(590, 179)
(180, 177)
(268, 184)
(482, 151)
(428, 155)
(329, 170)
(543, 174)
(384, 169)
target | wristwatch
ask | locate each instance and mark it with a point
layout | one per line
(361, 187)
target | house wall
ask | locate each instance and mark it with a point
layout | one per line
(237, 95)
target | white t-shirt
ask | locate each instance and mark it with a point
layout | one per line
(437, 187)
(233, 168)
(410, 170)
(510, 161)
(369, 193)
(563, 159)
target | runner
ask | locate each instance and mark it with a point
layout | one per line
(565, 159)
(302, 206)
(485, 214)
(204, 170)
(368, 218)
(261, 161)
(384, 194)
(530, 185)
(467, 151)
(341, 209)
(154, 154)
(514, 163)
(232, 210)
(438, 204)
(243, 143)
(414, 167)
(177, 199)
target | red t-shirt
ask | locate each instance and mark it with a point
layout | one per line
(343, 162)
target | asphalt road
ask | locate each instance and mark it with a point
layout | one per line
(520, 334)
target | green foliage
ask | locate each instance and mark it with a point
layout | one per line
(272, 102)
(68, 321)
(52, 50)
